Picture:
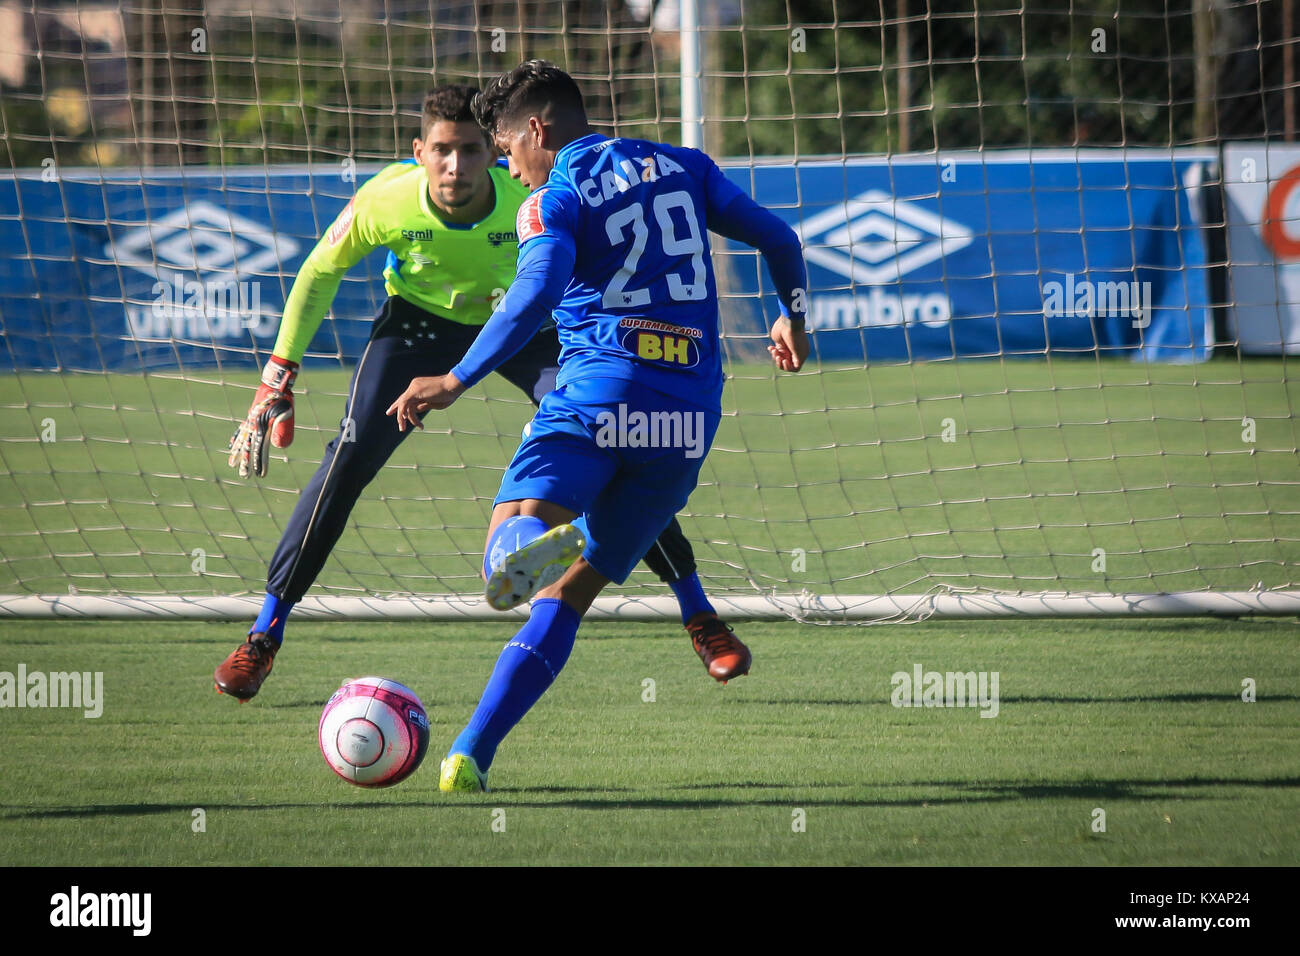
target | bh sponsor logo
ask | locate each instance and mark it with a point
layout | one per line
(661, 342)
(875, 240)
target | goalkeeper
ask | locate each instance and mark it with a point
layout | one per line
(447, 217)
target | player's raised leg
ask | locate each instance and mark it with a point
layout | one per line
(524, 553)
(565, 465)
(626, 495)
(528, 664)
(533, 370)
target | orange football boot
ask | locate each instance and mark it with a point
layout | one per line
(723, 654)
(242, 673)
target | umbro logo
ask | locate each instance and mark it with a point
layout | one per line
(206, 239)
(876, 239)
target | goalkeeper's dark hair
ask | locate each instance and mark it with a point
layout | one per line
(530, 89)
(453, 103)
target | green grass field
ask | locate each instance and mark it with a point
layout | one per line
(1050, 461)
(1143, 720)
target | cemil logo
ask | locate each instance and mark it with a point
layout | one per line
(1281, 220)
(202, 238)
(875, 239)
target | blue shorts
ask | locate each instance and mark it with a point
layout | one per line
(623, 456)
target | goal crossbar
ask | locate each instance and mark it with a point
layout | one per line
(778, 607)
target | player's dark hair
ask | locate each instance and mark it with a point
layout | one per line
(528, 89)
(453, 103)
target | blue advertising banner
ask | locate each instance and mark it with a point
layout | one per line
(170, 269)
(990, 254)
(909, 257)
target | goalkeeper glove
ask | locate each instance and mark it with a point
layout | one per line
(269, 417)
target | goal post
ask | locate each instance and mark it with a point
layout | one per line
(1054, 297)
(805, 608)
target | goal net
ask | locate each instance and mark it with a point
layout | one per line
(1054, 269)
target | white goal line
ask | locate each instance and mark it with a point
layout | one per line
(799, 607)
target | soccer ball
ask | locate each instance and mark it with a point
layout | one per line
(374, 732)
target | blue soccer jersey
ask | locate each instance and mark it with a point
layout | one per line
(616, 243)
(643, 301)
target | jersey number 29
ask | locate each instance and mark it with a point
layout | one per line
(617, 295)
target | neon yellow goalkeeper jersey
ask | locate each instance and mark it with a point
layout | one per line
(454, 271)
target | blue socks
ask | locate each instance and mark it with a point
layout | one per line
(529, 664)
(690, 597)
(271, 621)
(526, 668)
(511, 535)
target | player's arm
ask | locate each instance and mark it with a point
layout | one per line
(270, 417)
(734, 215)
(547, 255)
(543, 272)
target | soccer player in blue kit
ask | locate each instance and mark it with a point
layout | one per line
(613, 241)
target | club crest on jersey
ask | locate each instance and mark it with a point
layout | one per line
(528, 223)
(342, 224)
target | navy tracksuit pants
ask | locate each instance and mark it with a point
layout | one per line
(407, 342)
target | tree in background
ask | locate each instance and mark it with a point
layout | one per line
(209, 81)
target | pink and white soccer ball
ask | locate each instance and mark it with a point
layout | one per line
(374, 732)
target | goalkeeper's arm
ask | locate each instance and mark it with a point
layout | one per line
(270, 417)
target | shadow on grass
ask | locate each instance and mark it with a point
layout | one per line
(294, 704)
(1117, 789)
(1152, 699)
(885, 702)
(800, 702)
(968, 793)
(1004, 700)
(467, 704)
(454, 801)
